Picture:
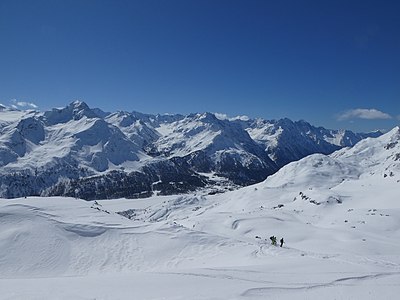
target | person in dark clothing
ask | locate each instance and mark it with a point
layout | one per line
(273, 240)
(281, 240)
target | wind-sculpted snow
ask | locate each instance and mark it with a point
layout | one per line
(46, 153)
(61, 236)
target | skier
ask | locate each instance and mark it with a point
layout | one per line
(273, 240)
(281, 240)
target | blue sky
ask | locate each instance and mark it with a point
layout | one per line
(332, 63)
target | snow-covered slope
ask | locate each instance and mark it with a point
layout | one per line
(339, 216)
(77, 148)
(73, 133)
(209, 144)
(286, 141)
(134, 127)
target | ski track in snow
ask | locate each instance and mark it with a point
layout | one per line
(341, 281)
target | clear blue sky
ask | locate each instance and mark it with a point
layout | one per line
(332, 63)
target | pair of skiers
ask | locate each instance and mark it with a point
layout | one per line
(273, 241)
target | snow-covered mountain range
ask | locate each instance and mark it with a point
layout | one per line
(339, 215)
(84, 152)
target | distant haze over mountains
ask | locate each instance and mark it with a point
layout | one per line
(84, 152)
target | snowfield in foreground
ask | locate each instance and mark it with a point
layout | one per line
(339, 216)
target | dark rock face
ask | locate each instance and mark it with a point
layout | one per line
(35, 182)
(163, 178)
(231, 167)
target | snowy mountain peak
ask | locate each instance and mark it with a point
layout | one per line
(394, 134)
(74, 111)
(80, 109)
(78, 103)
(207, 117)
(123, 118)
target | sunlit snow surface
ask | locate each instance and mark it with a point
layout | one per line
(339, 216)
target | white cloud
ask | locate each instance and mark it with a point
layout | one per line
(241, 118)
(221, 116)
(22, 104)
(226, 117)
(363, 113)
